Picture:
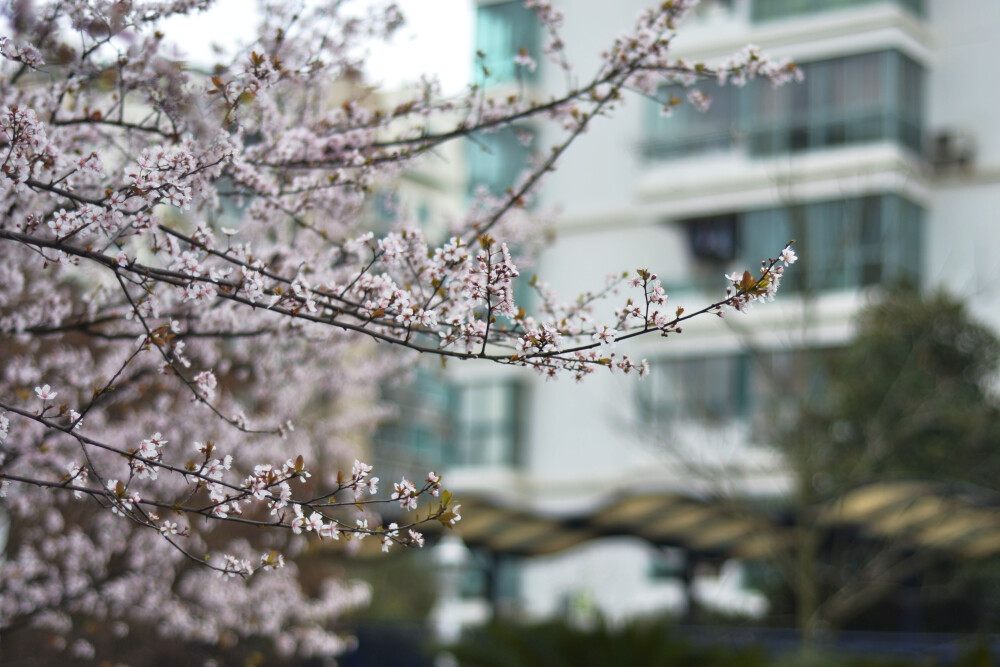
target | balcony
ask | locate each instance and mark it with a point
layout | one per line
(855, 99)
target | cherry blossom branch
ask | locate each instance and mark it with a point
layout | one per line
(116, 167)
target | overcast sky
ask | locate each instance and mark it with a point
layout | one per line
(437, 38)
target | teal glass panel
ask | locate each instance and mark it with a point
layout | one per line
(418, 438)
(688, 131)
(496, 159)
(843, 101)
(851, 100)
(707, 389)
(844, 244)
(763, 389)
(485, 425)
(502, 30)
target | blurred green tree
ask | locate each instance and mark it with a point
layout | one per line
(913, 393)
(910, 396)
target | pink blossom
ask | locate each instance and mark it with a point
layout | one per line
(45, 392)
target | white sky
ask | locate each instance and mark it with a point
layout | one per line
(437, 38)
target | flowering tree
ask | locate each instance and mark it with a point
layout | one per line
(190, 301)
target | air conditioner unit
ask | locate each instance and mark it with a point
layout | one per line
(951, 148)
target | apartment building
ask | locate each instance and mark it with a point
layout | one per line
(884, 165)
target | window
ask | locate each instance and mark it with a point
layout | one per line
(440, 424)
(232, 206)
(869, 97)
(496, 159)
(707, 389)
(423, 214)
(855, 99)
(485, 423)
(707, 9)
(688, 131)
(668, 563)
(502, 30)
(763, 389)
(767, 10)
(713, 238)
(783, 384)
(418, 438)
(849, 243)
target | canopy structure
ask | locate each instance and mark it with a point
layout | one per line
(960, 523)
(924, 515)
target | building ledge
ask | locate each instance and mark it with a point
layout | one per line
(736, 182)
(811, 36)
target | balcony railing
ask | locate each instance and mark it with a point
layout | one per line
(854, 99)
(769, 10)
(683, 146)
(822, 130)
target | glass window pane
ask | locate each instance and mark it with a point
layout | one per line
(496, 159)
(688, 130)
(848, 243)
(486, 423)
(502, 30)
(707, 389)
(868, 97)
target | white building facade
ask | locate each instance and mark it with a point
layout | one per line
(884, 165)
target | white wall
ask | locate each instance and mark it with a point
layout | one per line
(964, 219)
